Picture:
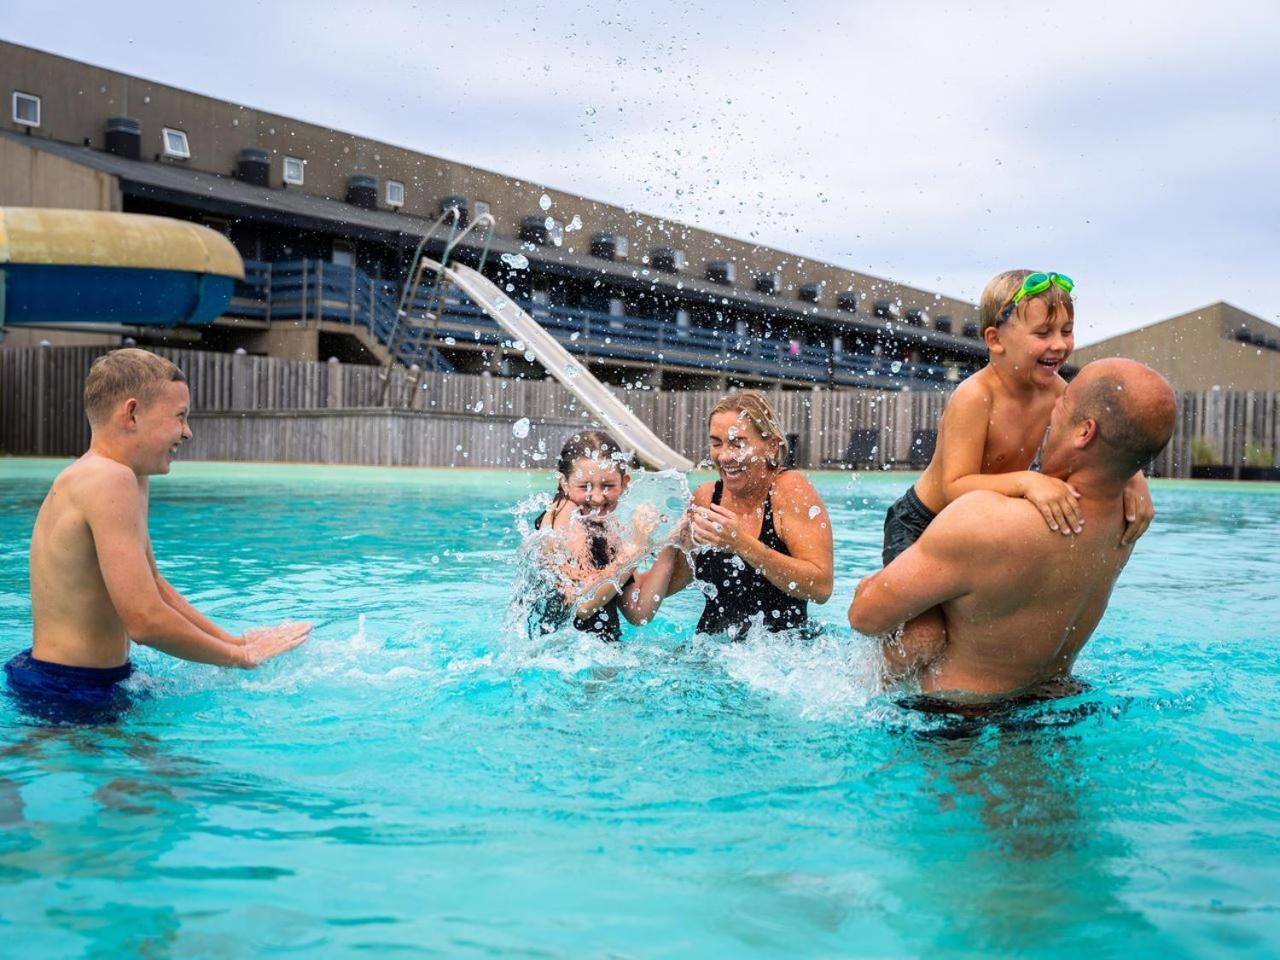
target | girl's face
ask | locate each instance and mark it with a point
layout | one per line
(1037, 341)
(739, 452)
(594, 486)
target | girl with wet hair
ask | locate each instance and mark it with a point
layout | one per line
(760, 535)
(589, 550)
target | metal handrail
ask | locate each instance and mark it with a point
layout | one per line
(410, 289)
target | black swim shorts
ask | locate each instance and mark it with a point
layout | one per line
(903, 524)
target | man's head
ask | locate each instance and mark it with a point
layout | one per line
(137, 406)
(1113, 418)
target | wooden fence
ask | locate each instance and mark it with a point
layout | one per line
(263, 408)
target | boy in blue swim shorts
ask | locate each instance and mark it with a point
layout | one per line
(95, 587)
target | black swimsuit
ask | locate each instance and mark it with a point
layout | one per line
(742, 591)
(553, 612)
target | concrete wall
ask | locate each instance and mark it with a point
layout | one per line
(77, 99)
(36, 178)
(1197, 350)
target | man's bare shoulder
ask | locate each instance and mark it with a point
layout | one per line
(985, 522)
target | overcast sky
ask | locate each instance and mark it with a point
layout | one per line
(1134, 146)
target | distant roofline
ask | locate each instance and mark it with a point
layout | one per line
(1185, 315)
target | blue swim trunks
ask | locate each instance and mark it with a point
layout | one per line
(56, 693)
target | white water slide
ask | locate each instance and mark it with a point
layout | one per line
(628, 429)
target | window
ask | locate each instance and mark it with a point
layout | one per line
(294, 170)
(395, 193)
(175, 144)
(26, 109)
(481, 209)
(344, 254)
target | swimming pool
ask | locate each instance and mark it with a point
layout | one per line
(413, 782)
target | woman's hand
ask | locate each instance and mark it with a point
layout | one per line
(716, 526)
(1056, 501)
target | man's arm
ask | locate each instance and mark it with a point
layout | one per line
(114, 515)
(934, 569)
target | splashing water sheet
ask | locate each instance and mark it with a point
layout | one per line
(422, 777)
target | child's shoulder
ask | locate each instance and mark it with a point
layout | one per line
(974, 390)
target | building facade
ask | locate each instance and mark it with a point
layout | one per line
(327, 223)
(1218, 347)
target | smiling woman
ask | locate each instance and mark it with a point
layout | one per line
(760, 535)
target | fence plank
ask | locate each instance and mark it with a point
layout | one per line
(42, 411)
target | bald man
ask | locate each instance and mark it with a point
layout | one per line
(1020, 601)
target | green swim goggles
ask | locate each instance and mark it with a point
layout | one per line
(1033, 284)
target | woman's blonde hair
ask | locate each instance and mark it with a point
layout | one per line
(1000, 290)
(755, 406)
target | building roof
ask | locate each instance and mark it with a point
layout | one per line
(224, 195)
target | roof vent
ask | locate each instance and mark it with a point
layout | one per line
(888, 310)
(918, 317)
(609, 246)
(541, 230)
(254, 166)
(124, 137)
(723, 272)
(464, 210)
(362, 191)
(942, 324)
(847, 300)
(766, 282)
(667, 259)
(811, 292)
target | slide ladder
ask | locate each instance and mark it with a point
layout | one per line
(625, 427)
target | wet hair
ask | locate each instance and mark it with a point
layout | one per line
(1135, 438)
(593, 445)
(1000, 290)
(755, 406)
(124, 374)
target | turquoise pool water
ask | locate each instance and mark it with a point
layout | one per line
(413, 782)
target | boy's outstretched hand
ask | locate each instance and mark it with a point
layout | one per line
(1056, 501)
(263, 643)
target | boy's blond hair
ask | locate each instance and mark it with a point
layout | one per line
(755, 406)
(1000, 290)
(122, 374)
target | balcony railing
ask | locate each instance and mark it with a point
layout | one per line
(317, 290)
